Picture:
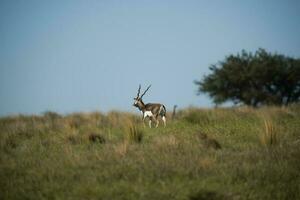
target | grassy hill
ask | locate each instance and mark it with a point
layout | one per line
(237, 153)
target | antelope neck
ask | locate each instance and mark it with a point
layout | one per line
(142, 106)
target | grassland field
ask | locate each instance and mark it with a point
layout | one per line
(221, 153)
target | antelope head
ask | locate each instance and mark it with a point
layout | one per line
(138, 102)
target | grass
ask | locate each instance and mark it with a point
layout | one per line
(237, 153)
(270, 134)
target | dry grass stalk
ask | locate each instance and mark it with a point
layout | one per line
(133, 132)
(270, 135)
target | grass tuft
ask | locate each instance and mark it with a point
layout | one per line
(209, 142)
(134, 133)
(270, 133)
(96, 138)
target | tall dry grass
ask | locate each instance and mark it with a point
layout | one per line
(270, 134)
(133, 132)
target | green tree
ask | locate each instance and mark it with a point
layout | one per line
(255, 79)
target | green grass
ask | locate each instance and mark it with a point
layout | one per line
(112, 156)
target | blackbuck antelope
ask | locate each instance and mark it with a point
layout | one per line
(150, 110)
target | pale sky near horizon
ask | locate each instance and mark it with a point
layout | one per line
(79, 56)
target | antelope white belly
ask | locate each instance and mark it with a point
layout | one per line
(148, 114)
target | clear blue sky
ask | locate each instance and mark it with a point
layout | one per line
(70, 56)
